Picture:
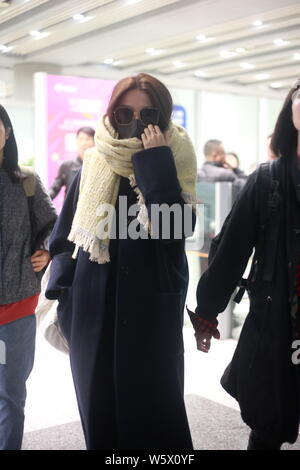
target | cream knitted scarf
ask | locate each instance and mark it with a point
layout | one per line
(102, 168)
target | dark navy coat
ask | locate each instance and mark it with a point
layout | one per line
(261, 376)
(123, 321)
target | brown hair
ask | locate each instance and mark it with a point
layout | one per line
(285, 137)
(157, 92)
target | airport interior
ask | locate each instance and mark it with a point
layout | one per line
(229, 66)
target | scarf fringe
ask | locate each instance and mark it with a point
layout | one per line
(98, 251)
(143, 216)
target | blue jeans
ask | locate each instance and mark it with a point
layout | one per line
(17, 346)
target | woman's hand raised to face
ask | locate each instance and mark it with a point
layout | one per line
(153, 137)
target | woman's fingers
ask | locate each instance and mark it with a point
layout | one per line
(39, 260)
(147, 132)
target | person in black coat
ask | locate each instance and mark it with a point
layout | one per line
(121, 297)
(263, 374)
(68, 169)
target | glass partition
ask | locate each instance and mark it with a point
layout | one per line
(215, 203)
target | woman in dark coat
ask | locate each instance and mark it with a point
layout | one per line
(262, 376)
(121, 296)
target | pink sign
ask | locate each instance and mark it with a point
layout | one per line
(72, 102)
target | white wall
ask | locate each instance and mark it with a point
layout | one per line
(22, 118)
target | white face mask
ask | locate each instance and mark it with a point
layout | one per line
(296, 109)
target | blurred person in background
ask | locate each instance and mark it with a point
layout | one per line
(27, 218)
(264, 374)
(233, 162)
(121, 300)
(68, 169)
(215, 169)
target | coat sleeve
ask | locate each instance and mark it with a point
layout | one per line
(229, 253)
(156, 177)
(44, 216)
(58, 183)
(61, 249)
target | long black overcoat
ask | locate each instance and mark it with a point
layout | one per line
(123, 321)
(261, 376)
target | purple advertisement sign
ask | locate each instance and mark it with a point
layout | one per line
(71, 103)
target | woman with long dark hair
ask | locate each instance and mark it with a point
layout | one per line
(121, 289)
(27, 218)
(264, 373)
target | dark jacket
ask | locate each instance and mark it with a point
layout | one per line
(66, 173)
(123, 321)
(213, 172)
(24, 226)
(261, 375)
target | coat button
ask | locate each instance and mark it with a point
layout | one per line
(124, 322)
(124, 270)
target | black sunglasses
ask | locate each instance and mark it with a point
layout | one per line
(124, 115)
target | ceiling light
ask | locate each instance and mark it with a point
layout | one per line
(257, 23)
(280, 42)
(179, 64)
(42, 35)
(35, 33)
(276, 85)
(201, 37)
(132, 2)
(78, 17)
(296, 56)
(153, 51)
(108, 61)
(246, 66)
(4, 49)
(227, 54)
(262, 76)
(240, 50)
(200, 74)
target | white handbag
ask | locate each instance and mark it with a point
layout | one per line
(46, 317)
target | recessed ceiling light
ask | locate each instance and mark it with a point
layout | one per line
(257, 23)
(78, 17)
(4, 49)
(82, 18)
(153, 51)
(200, 74)
(227, 54)
(178, 63)
(108, 61)
(39, 35)
(201, 37)
(280, 42)
(276, 85)
(247, 66)
(132, 2)
(262, 76)
(117, 62)
(296, 56)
